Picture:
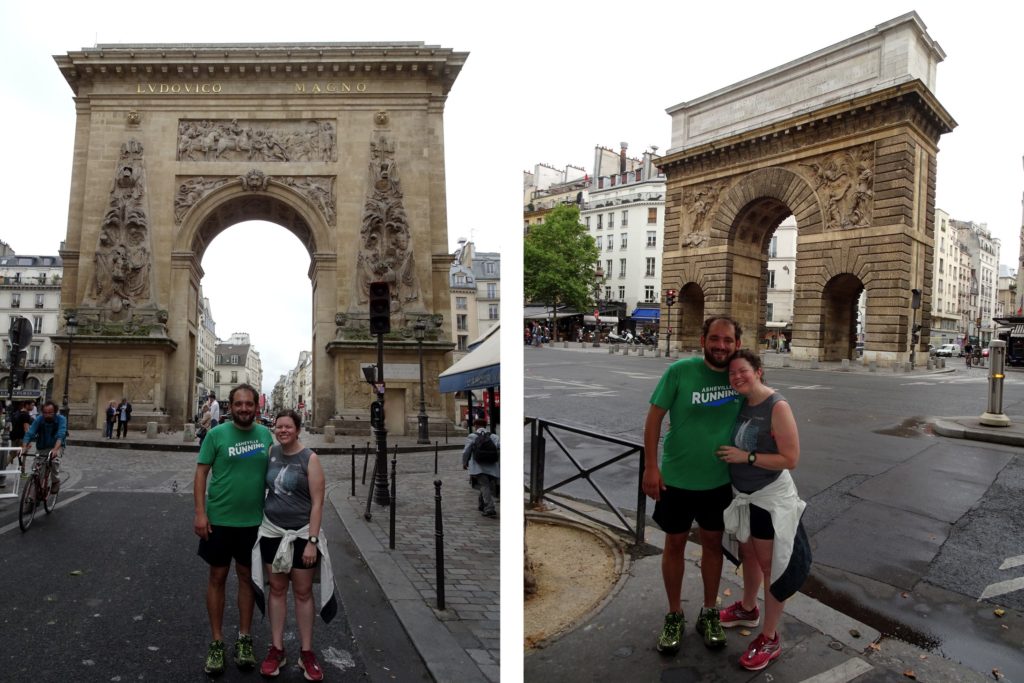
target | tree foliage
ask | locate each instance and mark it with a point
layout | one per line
(559, 260)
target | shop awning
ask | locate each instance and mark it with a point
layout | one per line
(652, 314)
(1017, 331)
(605, 320)
(479, 369)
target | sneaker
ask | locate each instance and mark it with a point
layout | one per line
(215, 658)
(760, 653)
(244, 657)
(735, 615)
(310, 667)
(710, 627)
(271, 666)
(671, 632)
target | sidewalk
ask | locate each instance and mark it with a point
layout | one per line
(617, 640)
(460, 643)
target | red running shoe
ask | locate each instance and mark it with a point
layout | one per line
(310, 667)
(760, 653)
(735, 615)
(271, 666)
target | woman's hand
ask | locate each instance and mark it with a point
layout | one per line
(731, 455)
(309, 555)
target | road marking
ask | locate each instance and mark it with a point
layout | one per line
(526, 396)
(808, 386)
(636, 375)
(596, 393)
(1003, 587)
(14, 525)
(566, 382)
(847, 671)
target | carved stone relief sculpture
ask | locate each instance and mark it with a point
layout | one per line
(699, 204)
(122, 277)
(385, 250)
(317, 190)
(255, 141)
(844, 182)
(191, 190)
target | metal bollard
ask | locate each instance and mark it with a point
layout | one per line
(369, 499)
(394, 466)
(353, 470)
(445, 433)
(994, 416)
(366, 456)
(436, 444)
(439, 544)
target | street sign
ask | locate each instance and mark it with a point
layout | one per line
(21, 332)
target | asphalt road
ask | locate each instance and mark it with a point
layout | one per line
(109, 587)
(908, 529)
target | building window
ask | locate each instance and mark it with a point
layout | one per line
(234, 361)
(625, 218)
(33, 353)
(460, 303)
(650, 267)
(773, 247)
(652, 215)
(607, 293)
(39, 300)
(639, 174)
(492, 311)
(611, 221)
(771, 313)
(623, 240)
(622, 267)
(652, 238)
(216, 376)
(771, 279)
(600, 218)
(234, 376)
(489, 267)
(622, 293)
(15, 300)
(611, 242)
(608, 268)
(649, 294)
(588, 222)
(600, 185)
(37, 324)
(460, 322)
(492, 290)
(600, 242)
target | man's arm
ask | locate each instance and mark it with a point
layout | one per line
(30, 435)
(653, 483)
(201, 523)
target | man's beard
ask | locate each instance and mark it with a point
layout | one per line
(714, 362)
(244, 422)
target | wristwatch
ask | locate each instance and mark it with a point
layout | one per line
(314, 540)
(751, 457)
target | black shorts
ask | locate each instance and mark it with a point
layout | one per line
(269, 546)
(678, 508)
(229, 542)
(761, 524)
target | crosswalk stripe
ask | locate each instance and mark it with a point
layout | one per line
(847, 671)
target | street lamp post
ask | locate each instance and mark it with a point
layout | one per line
(72, 327)
(423, 433)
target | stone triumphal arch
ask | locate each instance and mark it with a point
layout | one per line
(845, 140)
(341, 144)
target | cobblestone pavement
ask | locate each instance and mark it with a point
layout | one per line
(460, 642)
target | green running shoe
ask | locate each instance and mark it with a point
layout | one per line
(244, 657)
(709, 626)
(671, 632)
(215, 658)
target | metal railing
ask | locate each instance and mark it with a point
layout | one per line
(540, 434)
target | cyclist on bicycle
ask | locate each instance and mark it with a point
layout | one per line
(49, 430)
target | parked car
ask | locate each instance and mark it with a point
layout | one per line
(948, 350)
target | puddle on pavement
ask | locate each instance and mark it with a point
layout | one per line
(912, 426)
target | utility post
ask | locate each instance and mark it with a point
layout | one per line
(670, 301)
(380, 324)
(915, 304)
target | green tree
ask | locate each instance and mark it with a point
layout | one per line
(559, 262)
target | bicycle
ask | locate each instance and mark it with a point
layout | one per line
(38, 487)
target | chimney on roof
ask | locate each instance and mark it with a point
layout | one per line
(622, 156)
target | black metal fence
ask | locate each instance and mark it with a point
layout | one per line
(546, 433)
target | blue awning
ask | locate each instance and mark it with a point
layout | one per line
(479, 369)
(647, 314)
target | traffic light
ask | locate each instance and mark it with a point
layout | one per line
(670, 297)
(916, 335)
(380, 308)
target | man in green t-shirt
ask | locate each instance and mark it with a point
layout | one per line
(692, 483)
(234, 458)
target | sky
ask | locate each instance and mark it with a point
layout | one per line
(545, 82)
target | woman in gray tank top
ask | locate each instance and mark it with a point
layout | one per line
(294, 503)
(765, 513)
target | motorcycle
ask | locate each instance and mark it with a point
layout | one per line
(624, 338)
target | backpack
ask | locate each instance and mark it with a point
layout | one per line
(483, 450)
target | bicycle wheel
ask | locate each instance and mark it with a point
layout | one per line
(27, 506)
(48, 494)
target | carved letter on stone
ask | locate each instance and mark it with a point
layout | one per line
(122, 276)
(386, 252)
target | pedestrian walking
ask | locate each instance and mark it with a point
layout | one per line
(19, 425)
(111, 418)
(233, 458)
(214, 407)
(691, 482)
(481, 457)
(765, 511)
(291, 545)
(124, 415)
